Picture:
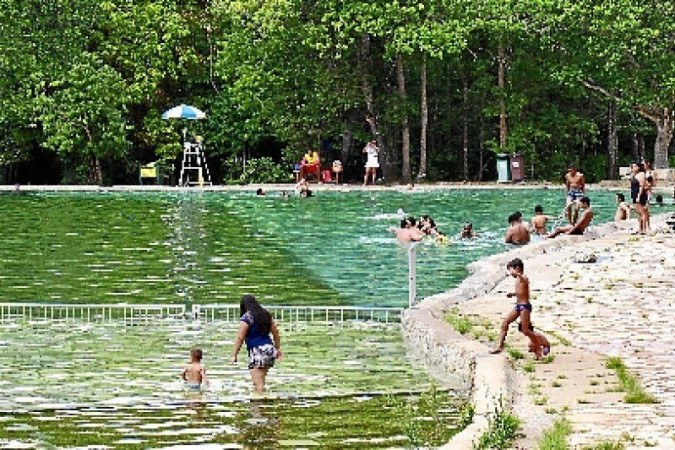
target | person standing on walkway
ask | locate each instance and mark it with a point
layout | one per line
(523, 309)
(255, 326)
(372, 163)
(640, 196)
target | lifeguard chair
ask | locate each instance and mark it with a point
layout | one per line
(194, 170)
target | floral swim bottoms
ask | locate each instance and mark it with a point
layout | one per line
(261, 357)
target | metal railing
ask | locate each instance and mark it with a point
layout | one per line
(303, 313)
(88, 312)
(144, 313)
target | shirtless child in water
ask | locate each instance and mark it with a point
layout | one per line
(522, 309)
(539, 220)
(194, 373)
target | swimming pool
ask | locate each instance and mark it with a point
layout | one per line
(212, 247)
(66, 384)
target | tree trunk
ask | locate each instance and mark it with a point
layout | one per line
(612, 143)
(635, 154)
(405, 131)
(641, 148)
(96, 173)
(664, 127)
(501, 83)
(465, 128)
(372, 116)
(346, 146)
(424, 119)
(481, 145)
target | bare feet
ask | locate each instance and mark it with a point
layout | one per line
(496, 351)
(538, 354)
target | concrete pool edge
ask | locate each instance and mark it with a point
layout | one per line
(458, 361)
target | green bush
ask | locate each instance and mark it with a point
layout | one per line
(502, 432)
(555, 438)
(260, 170)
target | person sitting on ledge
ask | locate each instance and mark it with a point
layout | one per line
(579, 227)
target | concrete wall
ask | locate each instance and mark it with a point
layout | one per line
(465, 364)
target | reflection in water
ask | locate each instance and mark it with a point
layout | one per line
(122, 385)
(212, 247)
(259, 428)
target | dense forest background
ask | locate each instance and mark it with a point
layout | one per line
(443, 85)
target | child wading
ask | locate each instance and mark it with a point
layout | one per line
(194, 373)
(522, 309)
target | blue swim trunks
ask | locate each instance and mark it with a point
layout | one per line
(523, 307)
(193, 386)
(574, 194)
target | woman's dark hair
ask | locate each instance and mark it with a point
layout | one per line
(621, 197)
(261, 318)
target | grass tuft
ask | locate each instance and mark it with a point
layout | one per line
(555, 438)
(629, 383)
(502, 432)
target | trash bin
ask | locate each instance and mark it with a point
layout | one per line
(503, 172)
(517, 167)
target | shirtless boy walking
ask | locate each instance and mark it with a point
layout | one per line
(522, 309)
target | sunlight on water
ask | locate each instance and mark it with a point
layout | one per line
(177, 247)
(123, 382)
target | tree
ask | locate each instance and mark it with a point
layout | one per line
(622, 50)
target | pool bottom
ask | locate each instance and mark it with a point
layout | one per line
(76, 385)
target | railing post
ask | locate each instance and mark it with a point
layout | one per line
(412, 274)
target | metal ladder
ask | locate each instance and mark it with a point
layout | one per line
(194, 170)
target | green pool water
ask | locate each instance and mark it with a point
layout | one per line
(196, 247)
(68, 384)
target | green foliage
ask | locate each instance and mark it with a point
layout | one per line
(515, 353)
(461, 324)
(88, 80)
(502, 432)
(606, 446)
(422, 421)
(261, 170)
(555, 438)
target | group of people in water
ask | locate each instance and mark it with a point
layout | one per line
(412, 230)
(258, 330)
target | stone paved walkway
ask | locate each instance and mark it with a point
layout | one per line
(623, 305)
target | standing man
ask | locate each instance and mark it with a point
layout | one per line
(576, 188)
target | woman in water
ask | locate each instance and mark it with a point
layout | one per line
(255, 326)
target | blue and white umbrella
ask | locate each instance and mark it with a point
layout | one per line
(183, 112)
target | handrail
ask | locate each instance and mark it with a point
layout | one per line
(92, 312)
